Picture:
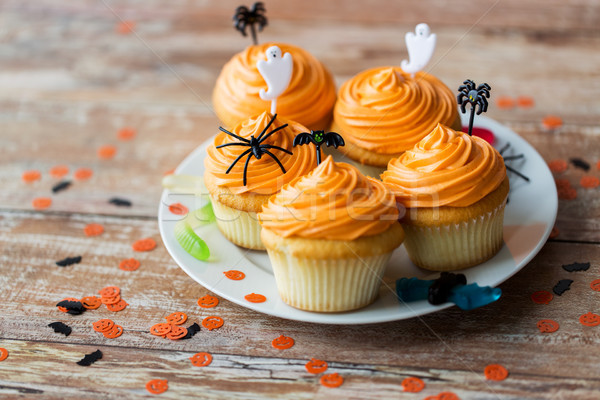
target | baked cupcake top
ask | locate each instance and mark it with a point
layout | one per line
(264, 175)
(334, 201)
(446, 168)
(386, 111)
(308, 99)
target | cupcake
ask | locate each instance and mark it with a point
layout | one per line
(454, 188)
(309, 98)
(382, 112)
(329, 235)
(239, 189)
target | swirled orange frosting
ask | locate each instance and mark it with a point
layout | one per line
(446, 168)
(309, 98)
(264, 176)
(386, 111)
(334, 201)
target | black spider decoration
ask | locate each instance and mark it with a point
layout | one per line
(256, 148)
(469, 94)
(318, 138)
(244, 17)
(509, 158)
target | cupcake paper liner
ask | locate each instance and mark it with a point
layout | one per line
(239, 227)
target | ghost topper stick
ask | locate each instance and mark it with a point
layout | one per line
(319, 138)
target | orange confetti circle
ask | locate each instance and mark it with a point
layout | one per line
(41, 203)
(525, 101)
(558, 166)
(234, 275)
(208, 301)
(107, 152)
(178, 209)
(157, 386)
(552, 122)
(590, 319)
(103, 325)
(114, 332)
(3, 354)
(413, 384)
(177, 332)
(109, 291)
(542, 297)
(332, 380)
(59, 171)
(547, 326)
(201, 359)
(130, 264)
(93, 229)
(505, 102)
(118, 306)
(282, 342)
(125, 27)
(146, 244)
(255, 298)
(83, 173)
(161, 329)
(589, 182)
(447, 396)
(554, 233)
(495, 372)
(31, 176)
(110, 300)
(595, 285)
(212, 322)
(126, 134)
(316, 366)
(91, 302)
(176, 318)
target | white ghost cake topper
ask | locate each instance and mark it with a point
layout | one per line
(420, 45)
(277, 73)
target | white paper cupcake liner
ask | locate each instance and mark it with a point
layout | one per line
(239, 227)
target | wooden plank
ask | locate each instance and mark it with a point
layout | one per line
(504, 332)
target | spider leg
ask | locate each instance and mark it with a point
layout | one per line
(238, 159)
(518, 156)
(232, 144)
(274, 158)
(233, 134)
(502, 150)
(484, 86)
(483, 101)
(270, 146)
(244, 180)
(270, 133)
(267, 127)
(470, 84)
(514, 171)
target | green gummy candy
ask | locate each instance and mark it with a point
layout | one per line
(190, 242)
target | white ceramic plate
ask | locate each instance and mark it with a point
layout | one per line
(528, 220)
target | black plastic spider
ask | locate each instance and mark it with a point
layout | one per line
(257, 149)
(468, 94)
(244, 17)
(319, 138)
(509, 158)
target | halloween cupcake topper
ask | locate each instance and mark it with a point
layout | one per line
(245, 17)
(474, 95)
(276, 70)
(420, 45)
(319, 138)
(255, 146)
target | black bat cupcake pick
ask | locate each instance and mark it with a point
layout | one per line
(245, 17)
(256, 148)
(318, 138)
(474, 95)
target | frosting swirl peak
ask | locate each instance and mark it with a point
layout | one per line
(264, 176)
(334, 201)
(446, 168)
(386, 111)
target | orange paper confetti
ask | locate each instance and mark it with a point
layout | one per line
(107, 152)
(31, 176)
(59, 171)
(40, 203)
(93, 230)
(83, 174)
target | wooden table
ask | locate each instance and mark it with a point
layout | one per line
(70, 80)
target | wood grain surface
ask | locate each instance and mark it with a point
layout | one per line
(69, 81)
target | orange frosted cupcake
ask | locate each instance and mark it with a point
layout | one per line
(454, 187)
(309, 98)
(329, 235)
(382, 112)
(236, 199)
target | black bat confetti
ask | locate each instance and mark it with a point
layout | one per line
(89, 359)
(191, 331)
(73, 307)
(69, 261)
(59, 327)
(562, 286)
(576, 266)
(63, 185)
(581, 164)
(120, 202)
